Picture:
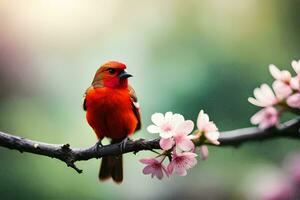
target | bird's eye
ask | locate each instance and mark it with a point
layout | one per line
(111, 71)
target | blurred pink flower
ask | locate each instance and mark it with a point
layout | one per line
(282, 90)
(181, 162)
(154, 167)
(294, 100)
(284, 75)
(166, 124)
(292, 167)
(204, 152)
(280, 191)
(296, 66)
(264, 96)
(181, 137)
(266, 118)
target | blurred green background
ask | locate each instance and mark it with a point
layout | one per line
(184, 55)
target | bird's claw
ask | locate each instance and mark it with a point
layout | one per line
(123, 144)
(98, 145)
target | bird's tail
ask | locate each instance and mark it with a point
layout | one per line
(112, 167)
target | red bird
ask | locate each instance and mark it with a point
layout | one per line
(112, 111)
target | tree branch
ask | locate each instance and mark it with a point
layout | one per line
(289, 129)
(70, 155)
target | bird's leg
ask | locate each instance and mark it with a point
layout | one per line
(123, 143)
(98, 145)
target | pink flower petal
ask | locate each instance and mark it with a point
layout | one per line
(185, 127)
(177, 119)
(166, 144)
(166, 124)
(257, 118)
(204, 125)
(170, 168)
(256, 102)
(153, 129)
(295, 83)
(158, 119)
(267, 92)
(148, 170)
(284, 75)
(202, 120)
(211, 127)
(204, 152)
(154, 167)
(296, 66)
(294, 101)
(159, 174)
(166, 134)
(213, 137)
(275, 72)
(181, 171)
(148, 161)
(266, 118)
(181, 162)
(260, 96)
(264, 96)
(168, 116)
(282, 90)
(185, 144)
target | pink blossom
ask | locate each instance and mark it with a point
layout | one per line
(284, 75)
(296, 66)
(180, 138)
(266, 118)
(166, 124)
(281, 85)
(264, 96)
(204, 152)
(203, 123)
(154, 167)
(294, 101)
(181, 162)
(208, 128)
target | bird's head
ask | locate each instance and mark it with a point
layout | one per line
(111, 74)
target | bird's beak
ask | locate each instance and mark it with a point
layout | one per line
(124, 75)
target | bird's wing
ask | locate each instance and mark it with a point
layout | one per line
(84, 97)
(135, 107)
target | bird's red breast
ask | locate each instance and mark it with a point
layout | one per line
(110, 112)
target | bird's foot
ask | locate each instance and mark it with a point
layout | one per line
(98, 145)
(123, 144)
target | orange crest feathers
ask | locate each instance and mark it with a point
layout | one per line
(114, 65)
